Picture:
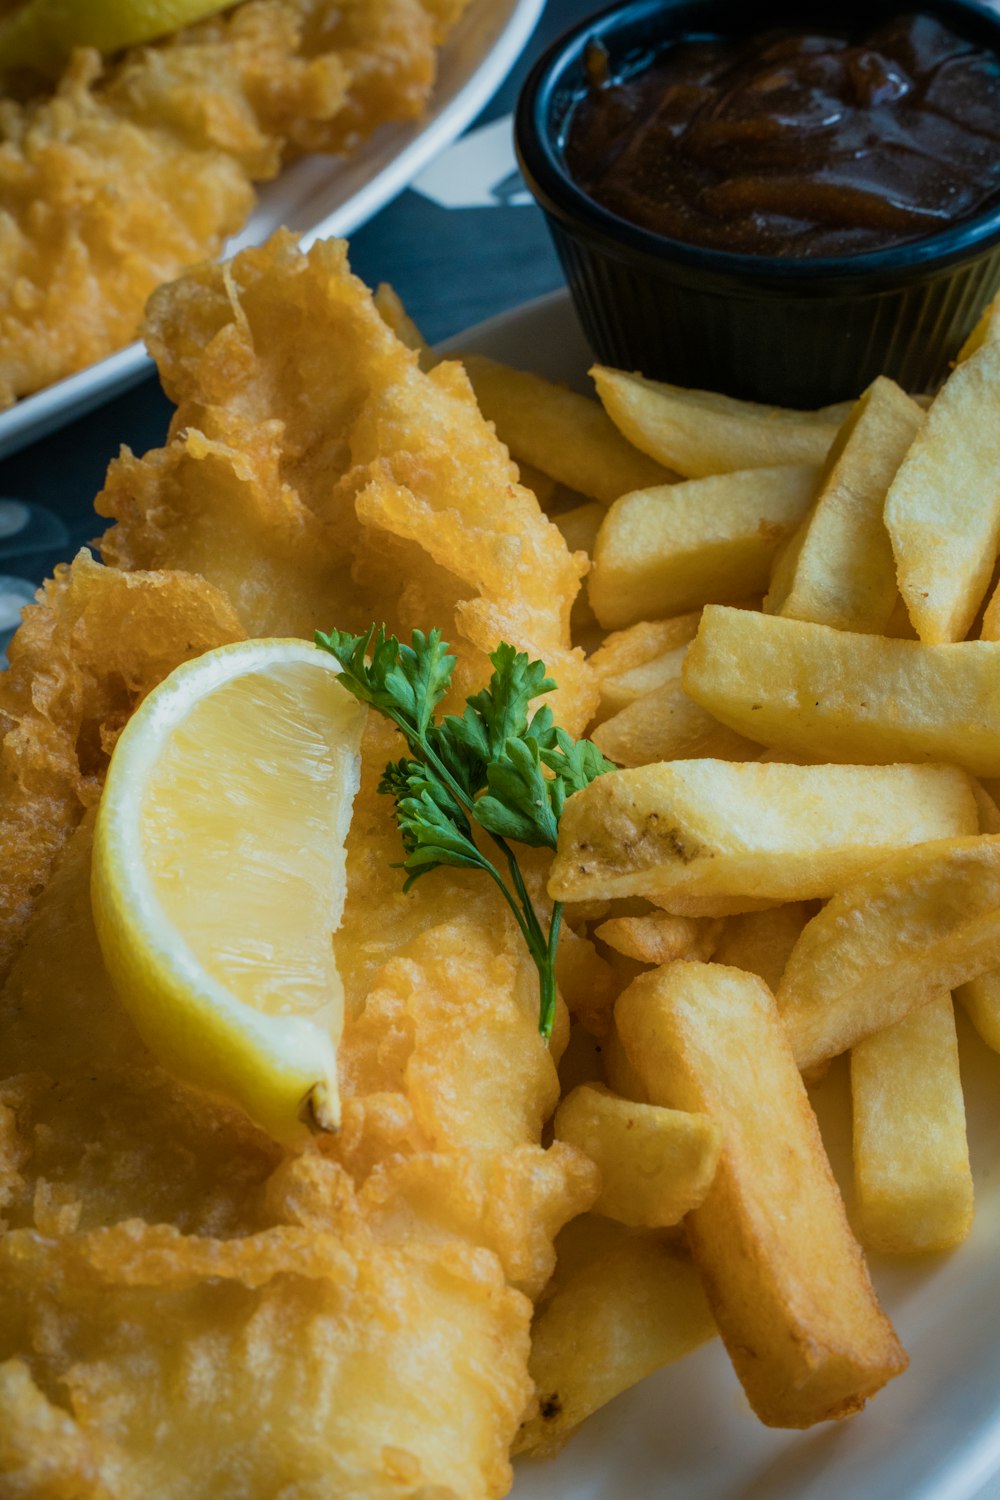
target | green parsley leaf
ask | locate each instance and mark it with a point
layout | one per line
(498, 767)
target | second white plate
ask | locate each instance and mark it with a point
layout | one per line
(322, 196)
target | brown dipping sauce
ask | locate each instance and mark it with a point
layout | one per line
(792, 143)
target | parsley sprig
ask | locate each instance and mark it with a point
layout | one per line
(499, 766)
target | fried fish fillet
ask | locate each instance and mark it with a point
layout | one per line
(187, 1312)
(92, 647)
(317, 475)
(134, 170)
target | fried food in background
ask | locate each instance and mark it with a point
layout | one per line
(315, 472)
(135, 169)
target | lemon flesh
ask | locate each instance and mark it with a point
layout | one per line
(220, 876)
(43, 33)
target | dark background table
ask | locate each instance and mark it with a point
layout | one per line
(452, 266)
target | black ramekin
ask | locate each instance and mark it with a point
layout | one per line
(796, 331)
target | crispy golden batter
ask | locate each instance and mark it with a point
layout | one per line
(131, 172)
(347, 1321)
(91, 648)
(352, 1320)
(317, 475)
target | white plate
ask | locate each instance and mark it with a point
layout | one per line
(321, 196)
(687, 1432)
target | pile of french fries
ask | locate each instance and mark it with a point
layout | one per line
(790, 617)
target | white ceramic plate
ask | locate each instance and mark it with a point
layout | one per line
(687, 1432)
(322, 196)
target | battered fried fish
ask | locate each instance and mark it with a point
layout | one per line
(316, 474)
(88, 652)
(131, 172)
(186, 1310)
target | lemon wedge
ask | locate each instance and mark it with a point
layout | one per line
(41, 34)
(219, 876)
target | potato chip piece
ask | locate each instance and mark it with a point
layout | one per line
(922, 921)
(943, 507)
(389, 306)
(663, 551)
(777, 832)
(837, 695)
(631, 1305)
(783, 1273)
(761, 942)
(618, 691)
(980, 999)
(668, 725)
(624, 649)
(656, 1164)
(912, 1177)
(658, 938)
(560, 432)
(699, 432)
(838, 569)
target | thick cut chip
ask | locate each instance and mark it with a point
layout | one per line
(699, 432)
(943, 509)
(668, 725)
(783, 1273)
(912, 1177)
(662, 551)
(838, 569)
(658, 937)
(980, 999)
(775, 832)
(560, 432)
(656, 1164)
(624, 1304)
(762, 941)
(925, 920)
(624, 649)
(618, 691)
(839, 695)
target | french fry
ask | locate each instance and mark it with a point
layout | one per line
(580, 525)
(989, 813)
(912, 1176)
(617, 692)
(838, 695)
(762, 941)
(586, 982)
(667, 725)
(560, 432)
(624, 649)
(783, 1273)
(659, 938)
(544, 487)
(924, 920)
(772, 832)
(666, 550)
(622, 1078)
(699, 432)
(631, 1305)
(838, 569)
(389, 306)
(980, 999)
(656, 1164)
(943, 507)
